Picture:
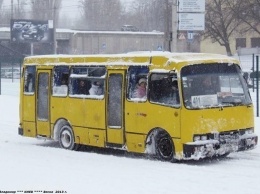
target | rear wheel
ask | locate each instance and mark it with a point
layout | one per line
(66, 138)
(164, 147)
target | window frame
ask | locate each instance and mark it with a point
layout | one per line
(32, 71)
(132, 82)
(58, 90)
(162, 82)
(75, 77)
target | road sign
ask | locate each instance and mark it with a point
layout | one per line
(191, 5)
(182, 36)
(190, 35)
(191, 21)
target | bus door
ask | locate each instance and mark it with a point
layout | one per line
(115, 106)
(43, 103)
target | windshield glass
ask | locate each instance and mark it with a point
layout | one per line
(213, 85)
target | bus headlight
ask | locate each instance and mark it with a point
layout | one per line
(196, 138)
(249, 131)
(200, 138)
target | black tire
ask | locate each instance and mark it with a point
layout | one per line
(164, 147)
(66, 138)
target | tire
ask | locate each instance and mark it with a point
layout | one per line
(164, 147)
(66, 138)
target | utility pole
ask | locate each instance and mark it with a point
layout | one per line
(55, 7)
(174, 26)
(167, 27)
(54, 27)
(12, 9)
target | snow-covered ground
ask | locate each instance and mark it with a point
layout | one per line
(35, 165)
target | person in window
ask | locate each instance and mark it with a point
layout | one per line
(207, 86)
(96, 88)
(82, 88)
(64, 81)
(140, 91)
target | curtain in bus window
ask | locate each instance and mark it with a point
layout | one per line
(115, 100)
(43, 97)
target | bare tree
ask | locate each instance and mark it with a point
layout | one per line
(247, 11)
(1, 12)
(148, 15)
(220, 23)
(45, 9)
(13, 11)
(1, 3)
(101, 14)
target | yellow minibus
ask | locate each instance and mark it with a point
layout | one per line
(174, 106)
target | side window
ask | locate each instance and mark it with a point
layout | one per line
(137, 83)
(29, 79)
(87, 81)
(163, 89)
(60, 81)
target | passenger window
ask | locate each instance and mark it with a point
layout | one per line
(87, 82)
(29, 79)
(60, 81)
(164, 89)
(137, 83)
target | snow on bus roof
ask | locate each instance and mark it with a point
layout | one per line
(196, 57)
(125, 58)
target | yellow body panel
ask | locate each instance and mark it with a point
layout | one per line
(29, 129)
(96, 137)
(115, 136)
(141, 117)
(28, 104)
(79, 111)
(81, 135)
(215, 120)
(135, 142)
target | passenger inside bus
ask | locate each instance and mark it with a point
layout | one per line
(96, 88)
(64, 79)
(203, 86)
(82, 89)
(207, 86)
(140, 90)
(168, 92)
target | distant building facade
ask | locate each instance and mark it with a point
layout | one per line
(89, 42)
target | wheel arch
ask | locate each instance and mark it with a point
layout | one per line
(57, 127)
(150, 141)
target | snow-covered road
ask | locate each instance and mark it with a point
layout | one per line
(29, 164)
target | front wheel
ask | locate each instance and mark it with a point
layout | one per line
(66, 138)
(164, 147)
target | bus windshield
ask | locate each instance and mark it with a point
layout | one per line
(213, 85)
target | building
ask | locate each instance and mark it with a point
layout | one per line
(89, 42)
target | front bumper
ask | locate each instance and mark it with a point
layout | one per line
(209, 148)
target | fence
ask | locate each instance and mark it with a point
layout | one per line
(10, 71)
